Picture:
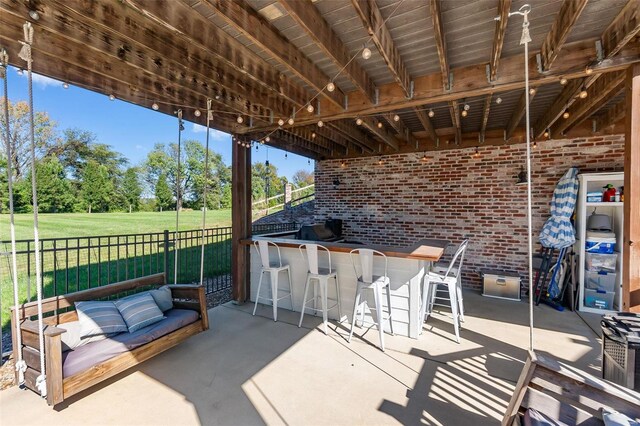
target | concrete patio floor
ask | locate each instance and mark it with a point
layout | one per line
(250, 370)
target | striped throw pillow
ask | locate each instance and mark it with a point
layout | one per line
(99, 318)
(139, 311)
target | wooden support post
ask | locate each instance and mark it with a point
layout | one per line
(631, 250)
(241, 220)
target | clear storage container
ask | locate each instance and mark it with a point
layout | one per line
(603, 281)
(600, 242)
(597, 262)
(599, 299)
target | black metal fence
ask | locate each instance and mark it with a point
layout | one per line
(72, 264)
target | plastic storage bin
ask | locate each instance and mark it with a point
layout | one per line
(600, 242)
(599, 299)
(594, 197)
(596, 262)
(603, 281)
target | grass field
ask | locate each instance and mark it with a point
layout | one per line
(87, 224)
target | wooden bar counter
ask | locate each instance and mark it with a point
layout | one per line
(406, 269)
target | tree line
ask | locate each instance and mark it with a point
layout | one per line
(76, 173)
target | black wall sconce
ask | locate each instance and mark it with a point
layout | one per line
(336, 183)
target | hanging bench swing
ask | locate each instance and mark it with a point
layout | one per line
(38, 327)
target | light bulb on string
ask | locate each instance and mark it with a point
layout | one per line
(280, 122)
(565, 114)
(331, 87)
(564, 81)
(197, 113)
(313, 135)
(532, 91)
(588, 71)
(310, 108)
(380, 124)
(267, 139)
(359, 121)
(380, 162)
(431, 113)
(20, 71)
(155, 106)
(112, 97)
(396, 118)
(240, 120)
(290, 121)
(343, 164)
(320, 123)
(424, 157)
(498, 100)
(464, 113)
(535, 145)
(546, 133)
(366, 53)
(65, 85)
(583, 93)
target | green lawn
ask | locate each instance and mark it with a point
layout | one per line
(89, 224)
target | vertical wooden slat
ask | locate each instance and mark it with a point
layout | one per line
(241, 223)
(631, 250)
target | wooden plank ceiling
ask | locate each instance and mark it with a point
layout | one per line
(292, 74)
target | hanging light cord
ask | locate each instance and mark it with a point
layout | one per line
(21, 365)
(204, 191)
(176, 242)
(526, 39)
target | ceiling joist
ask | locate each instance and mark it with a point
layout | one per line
(567, 17)
(426, 124)
(498, 37)
(612, 116)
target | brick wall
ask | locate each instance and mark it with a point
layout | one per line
(454, 196)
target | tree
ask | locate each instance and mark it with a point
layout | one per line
(96, 189)
(19, 139)
(164, 197)
(54, 191)
(302, 178)
(131, 188)
(266, 183)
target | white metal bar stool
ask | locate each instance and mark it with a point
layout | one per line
(366, 280)
(451, 280)
(319, 277)
(441, 269)
(262, 246)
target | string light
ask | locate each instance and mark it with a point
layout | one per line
(313, 135)
(197, 113)
(112, 97)
(564, 81)
(464, 113)
(396, 118)
(566, 114)
(535, 145)
(476, 154)
(359, 121)
(465, 109)
(20, 71)
(583, 93)
(424, 157)
(267, 139)
(34, 15)
(310, 108)
(65, 85)
(280, 122)
(290, 121)
(155, 106)
(546, 133)
(380, 162)
(343, 164)
(366, 53)
(498, 100)
(380, 124)
(588, 71)
(431, 114)
(240, 120)
(532, 91)
(331, 87)
(320, 123)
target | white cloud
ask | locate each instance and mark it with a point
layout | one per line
(139, 147)
(43, 81)
(216, 135)
(197, 128)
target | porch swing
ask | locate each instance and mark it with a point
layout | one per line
(41, 364)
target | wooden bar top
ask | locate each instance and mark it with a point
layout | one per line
(430, 250)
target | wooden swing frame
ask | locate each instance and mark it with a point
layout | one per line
(60, 388)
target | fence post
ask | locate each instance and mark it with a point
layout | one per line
(166, 255)
(287, 196)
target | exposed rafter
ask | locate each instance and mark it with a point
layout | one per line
(553, 43)
(426, 123)
(598, 94)
(356, 135)
(398, 126)
(621, 30)
(612, 116)
(441, 44)
(309, 18)
(374, 24)
(498, 37)
(243, 18)
(381, 132)
(454, 109)
(518, 113)
(485, 117)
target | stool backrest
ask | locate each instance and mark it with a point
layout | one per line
(363, 259)
(459, 255)
(262, 247)
(313, 256)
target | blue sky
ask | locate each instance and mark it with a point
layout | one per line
(128, 128)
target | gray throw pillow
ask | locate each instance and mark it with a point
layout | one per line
(163, 298)
(71, 339)
(99, 318)
(139, 311)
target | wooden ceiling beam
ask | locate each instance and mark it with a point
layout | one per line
(291, 140)
(307, 16)
(485, 116)
(375, 26)
(518, 113)
(307, 134)
(47, 64)
(354, 134)
(567, 17)
(594, 108)
(382, 133)
(441, 43)
(175, 24)
(454, 110)
(498, 37)
(426, 123)
(598, 94)
(612, 116)
(244, 19)
(624, 27)
(398, 126)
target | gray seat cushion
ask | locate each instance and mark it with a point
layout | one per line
(84, 357)
(98, 318)
(139, 311)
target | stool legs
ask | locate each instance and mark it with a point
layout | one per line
(304, 300)
(274, 294)
(255, 306)
(453, 295)
(359, 308)
(356, 306)
(322, 283)
(338, 299)
(379, 314)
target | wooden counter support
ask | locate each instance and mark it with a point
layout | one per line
(631, 250)
(241, 222)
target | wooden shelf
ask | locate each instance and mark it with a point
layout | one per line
(603, 204)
